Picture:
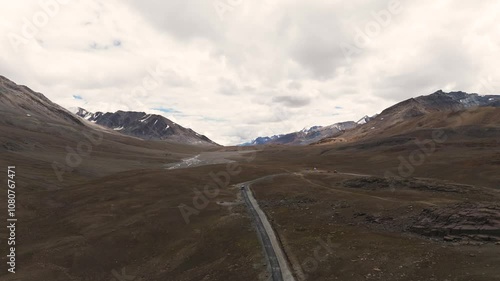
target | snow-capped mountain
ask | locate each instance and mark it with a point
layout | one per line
(469, 100)
(414, 107)
(305, 136)
(145, 126)
(262, 140)
(440, 101)
(366, 119)
(82, 113)
(401, 117)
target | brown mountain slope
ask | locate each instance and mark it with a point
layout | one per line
(37, 132)
(392, 123)
(21, 100)
(93, 201)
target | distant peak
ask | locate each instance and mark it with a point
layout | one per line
(438, 92)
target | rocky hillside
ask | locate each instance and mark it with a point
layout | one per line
(21, 100)
(439, 101)
(438, 110)
(430, 105)
(145, 126)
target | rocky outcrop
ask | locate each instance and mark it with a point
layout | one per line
(376, 183)
(460, 221)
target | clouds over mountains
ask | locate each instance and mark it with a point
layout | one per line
(224, 72)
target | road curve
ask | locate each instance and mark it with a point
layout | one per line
(280, 270)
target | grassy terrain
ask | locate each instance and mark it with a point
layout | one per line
(119, 208)
(333, 232)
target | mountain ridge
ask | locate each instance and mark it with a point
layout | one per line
(304, 136)
(438, 101)
(20, 99)
(415, 113)
(145, 126)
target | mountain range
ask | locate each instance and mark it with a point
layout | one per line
(365, 127)
(117, 194)
(305, 136)
(21, 99)
(393, 120)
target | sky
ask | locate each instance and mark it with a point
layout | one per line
(234, 70)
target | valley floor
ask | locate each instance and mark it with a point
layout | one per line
(336, 216)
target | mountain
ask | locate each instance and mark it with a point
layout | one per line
(38, 134)
(305, 136)
(21, 100)
(145, 126)
(365, 119)
(436, 110)
(262, 140)
(112, 197)
(440, 101)
(380, 123)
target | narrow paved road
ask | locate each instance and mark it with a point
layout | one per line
(274, 254)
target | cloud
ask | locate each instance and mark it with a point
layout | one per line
(228, 87)
(185, 20)
(290, 101)
(166, 110)
(262, 69)
(294, 85)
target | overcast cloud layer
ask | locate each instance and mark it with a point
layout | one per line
(237, 69)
